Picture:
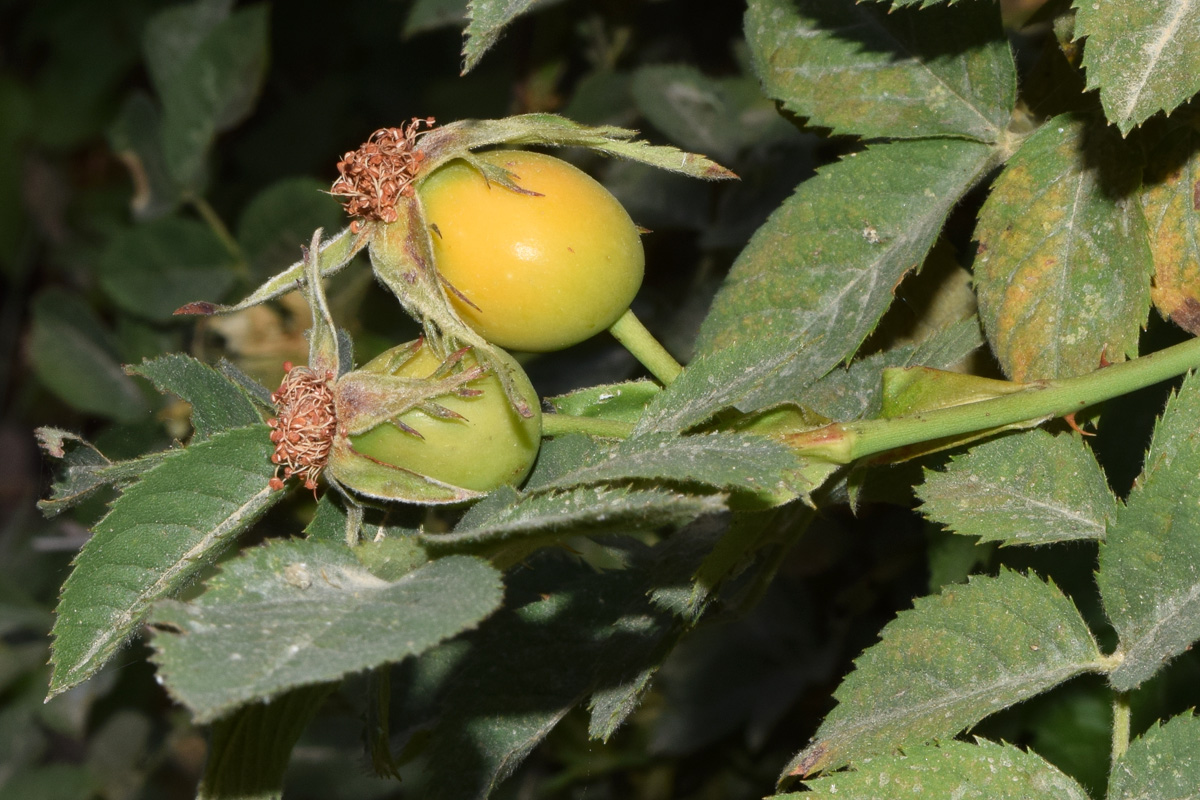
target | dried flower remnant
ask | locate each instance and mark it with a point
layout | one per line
(303, 432)
(374, 177)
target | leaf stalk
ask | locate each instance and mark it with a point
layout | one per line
(844, 442)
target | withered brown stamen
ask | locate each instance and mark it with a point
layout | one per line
(303, 432)
(374, 177)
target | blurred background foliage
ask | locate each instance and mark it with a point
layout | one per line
(120, 200)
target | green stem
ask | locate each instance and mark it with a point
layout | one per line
(630, 332)
(1121, 721)
(218, 227)
(844, 442)
(562, 424)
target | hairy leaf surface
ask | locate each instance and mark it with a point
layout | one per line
(296, 613)
(1164, 762)
(1063, 267)
(158, 536)
(1031, 488)
(504, 516)
(1140, 54)
(951, 769)
(488, 18)
(949, 662)
(719, 460)
(816, 278)
(866, 69)
(1149, 574)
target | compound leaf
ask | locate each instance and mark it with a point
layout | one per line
(1163, 762)
(157, 537)
(951, 769)
(869, 70)
(217, 403)
(816, 278)
(949, 662)
(1031, 488)
(1063, 266)
(300, 612)
(1140, 54)
(1148, 575)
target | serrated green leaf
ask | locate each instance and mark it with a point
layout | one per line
(489, 18)
(1172, 209)
(863, 69)
(1163, 763)
(153, 268)
(584, 511)
(561, 455)
(250, 749)
(217, 404)
(719, 460)
(75, 356)
(816, 278)
(1032, 488)
(281, 218)
(620, 401)
(1148, 575)
(1063, 266)
(328, 523)
(952, 769)
(953, 659)
(85, 469)
(295, 613)
(212, 89)
(1140, 54)
(156, 538)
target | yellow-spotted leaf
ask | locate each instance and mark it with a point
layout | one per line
(1063, 267)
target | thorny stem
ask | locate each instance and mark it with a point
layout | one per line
(630, 332)
(842, 443)
(1121, 722)
(562, 424)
